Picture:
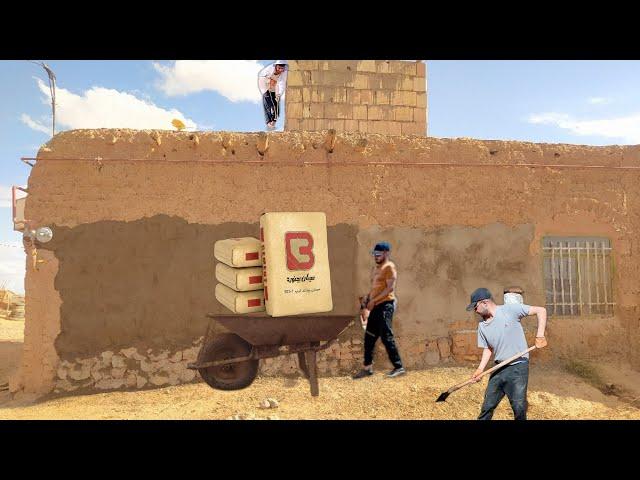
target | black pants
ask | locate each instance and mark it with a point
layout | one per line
(379, 325)
(511, 380)
(271, 107)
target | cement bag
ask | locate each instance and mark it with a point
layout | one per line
(240, 302)
(295, 263)
(240, 279)
(239, 252)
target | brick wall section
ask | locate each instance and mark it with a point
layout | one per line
(368, 96)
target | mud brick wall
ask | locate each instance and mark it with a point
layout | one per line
(368, 96)
(121, 298)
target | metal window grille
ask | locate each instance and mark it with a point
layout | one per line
(577, 276)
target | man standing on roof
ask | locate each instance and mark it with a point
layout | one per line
(272, 82)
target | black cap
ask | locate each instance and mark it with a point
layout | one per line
(478, 295)
(382, 247)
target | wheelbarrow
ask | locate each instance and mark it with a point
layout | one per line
(230, 361)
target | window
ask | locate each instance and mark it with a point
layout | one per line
(577, 275)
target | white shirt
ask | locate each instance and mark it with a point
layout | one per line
(267, 74)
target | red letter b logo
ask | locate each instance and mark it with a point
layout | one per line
(299, 246)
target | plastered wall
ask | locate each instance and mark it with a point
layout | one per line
(121, 298)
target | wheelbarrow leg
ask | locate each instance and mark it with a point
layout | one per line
(303, 364)
(312, 369)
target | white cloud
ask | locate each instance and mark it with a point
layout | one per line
(237, 80)
(626, 128)
(12, 266)
(101, 107)
(599, 100)
(31, 123)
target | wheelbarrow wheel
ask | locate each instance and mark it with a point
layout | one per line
(233, 376)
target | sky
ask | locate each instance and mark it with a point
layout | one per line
(577, 102)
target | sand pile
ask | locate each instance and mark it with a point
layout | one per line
(553, 394)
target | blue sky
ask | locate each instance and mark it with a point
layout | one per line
(579, 102)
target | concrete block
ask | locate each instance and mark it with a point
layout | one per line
(376, 82)
(421, 100)
(390, 82)
(367, 66)
(409, 68)
(306, 94)
(421, 69)
(359, 112)
(363, 126)
(419, 115)
(330, 94)
(291, 123)
(397, 66)
(332, 78)
(294, 78)
(412, 128)
(308, 124)
(294, 110)
(419, 84)
(330, 123)
(382, 97)
(317, 110)
(385, 127)
(307, 64)
(382, 66)
(407, 83)
(338, 110)
(351, 125)
(366, 97)
(362, 81)
(406, 99)
(343, 65)
(380, 112)
(403, 114)
(306, 77)
(294, 94)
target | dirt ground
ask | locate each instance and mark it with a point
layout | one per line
(554, 393)
(11, 338)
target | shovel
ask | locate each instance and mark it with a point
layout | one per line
(443, 396)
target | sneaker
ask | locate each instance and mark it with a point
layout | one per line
(363, 373)
(396, 372)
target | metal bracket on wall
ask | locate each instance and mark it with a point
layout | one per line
(17, 223)
(26, 160)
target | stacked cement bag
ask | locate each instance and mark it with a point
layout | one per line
(295, 259)
(240, 274)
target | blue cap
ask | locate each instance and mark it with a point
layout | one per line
(478, 295)
(382, 247)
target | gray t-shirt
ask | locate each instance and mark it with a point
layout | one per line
(504, 334)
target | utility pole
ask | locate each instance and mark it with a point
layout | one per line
(52, 89)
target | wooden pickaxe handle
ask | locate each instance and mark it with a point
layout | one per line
(492, 369)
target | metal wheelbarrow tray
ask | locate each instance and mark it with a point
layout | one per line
(230, 361)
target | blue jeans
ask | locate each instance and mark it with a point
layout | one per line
(379, 326)
(511, 380)
(271, 107)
